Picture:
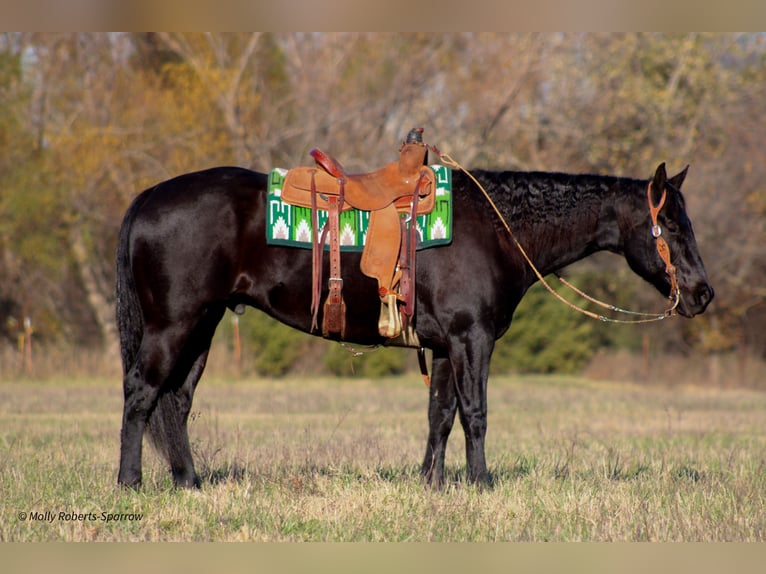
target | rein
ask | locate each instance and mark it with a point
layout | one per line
(662, 248)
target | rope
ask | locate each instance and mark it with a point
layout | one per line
(648, 317)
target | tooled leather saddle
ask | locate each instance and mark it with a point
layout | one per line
(394, 195)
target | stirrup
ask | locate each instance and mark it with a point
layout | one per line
(390, 321)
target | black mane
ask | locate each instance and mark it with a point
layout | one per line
(549, 197)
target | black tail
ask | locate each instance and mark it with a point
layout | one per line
(130, 323)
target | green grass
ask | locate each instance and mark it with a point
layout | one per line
(337, 460)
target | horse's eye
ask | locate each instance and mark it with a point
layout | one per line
(671, 225)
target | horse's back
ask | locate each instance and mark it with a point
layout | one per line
(218, 186)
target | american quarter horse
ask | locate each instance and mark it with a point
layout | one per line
(193, 246)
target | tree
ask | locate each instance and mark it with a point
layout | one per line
(545, 337)
(89, 120)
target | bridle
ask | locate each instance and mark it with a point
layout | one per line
(663, 249)
(662, 246)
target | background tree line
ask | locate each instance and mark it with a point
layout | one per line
(88, 120)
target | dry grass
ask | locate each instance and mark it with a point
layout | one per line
(329, 459)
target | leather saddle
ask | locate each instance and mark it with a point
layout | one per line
(394, 195)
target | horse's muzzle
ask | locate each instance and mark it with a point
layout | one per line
(695, 301)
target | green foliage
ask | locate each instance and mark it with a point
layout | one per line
(28, 204)
(274, 347)
(620, 287)
(10, 119)
(545, 337)
(272, 64)
(10, 68)
(348, 361)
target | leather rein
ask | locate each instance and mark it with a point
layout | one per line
(663, 249)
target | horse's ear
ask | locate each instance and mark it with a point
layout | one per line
(678, 179)
(658, 183)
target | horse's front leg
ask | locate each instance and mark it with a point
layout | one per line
(442, 406)
(469, 356)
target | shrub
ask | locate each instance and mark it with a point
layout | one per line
(378, 362)
(545, 337)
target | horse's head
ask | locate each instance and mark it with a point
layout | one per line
(643, 238)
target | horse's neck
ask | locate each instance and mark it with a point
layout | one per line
(568, 222)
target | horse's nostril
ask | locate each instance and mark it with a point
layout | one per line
(705, 295)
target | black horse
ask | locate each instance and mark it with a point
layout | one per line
(196, 244)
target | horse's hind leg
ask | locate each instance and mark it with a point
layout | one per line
(442, 406)
(141, 388)
(140, 399)
(168, 427)
(168, 424)
(159, 386)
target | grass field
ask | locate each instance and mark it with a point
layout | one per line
(337, 460)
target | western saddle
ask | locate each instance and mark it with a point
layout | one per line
(394, 195)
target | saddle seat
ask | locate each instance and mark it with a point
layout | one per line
(373, 191)
(402, 187)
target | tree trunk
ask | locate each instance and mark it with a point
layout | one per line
(103, 310)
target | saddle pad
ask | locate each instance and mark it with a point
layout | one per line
(289, 225)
